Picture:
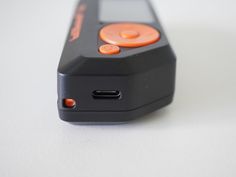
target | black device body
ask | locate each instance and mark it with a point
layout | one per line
(112, 88)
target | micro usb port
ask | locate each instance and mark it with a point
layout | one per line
(107, 94)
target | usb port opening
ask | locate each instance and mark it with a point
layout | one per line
(107, 94)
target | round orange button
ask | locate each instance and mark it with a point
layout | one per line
(129, 34)
(109, 49)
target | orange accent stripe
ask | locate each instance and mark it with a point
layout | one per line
(78, 21)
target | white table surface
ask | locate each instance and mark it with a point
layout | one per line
(193, 137)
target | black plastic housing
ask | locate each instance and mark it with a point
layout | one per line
(144, 76)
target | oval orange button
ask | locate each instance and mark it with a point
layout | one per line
(109, 49)
(129, 34)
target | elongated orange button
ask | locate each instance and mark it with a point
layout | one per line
(129, 34)
(109, 49)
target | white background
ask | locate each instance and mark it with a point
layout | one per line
(194, 137)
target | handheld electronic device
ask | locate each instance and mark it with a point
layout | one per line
(117, 64)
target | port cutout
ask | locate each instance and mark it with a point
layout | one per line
(107, 94)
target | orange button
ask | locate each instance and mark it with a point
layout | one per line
(129, 34)
(109, 49)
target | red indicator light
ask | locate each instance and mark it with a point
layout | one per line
(69, 103)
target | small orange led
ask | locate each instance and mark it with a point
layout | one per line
(69, 103)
